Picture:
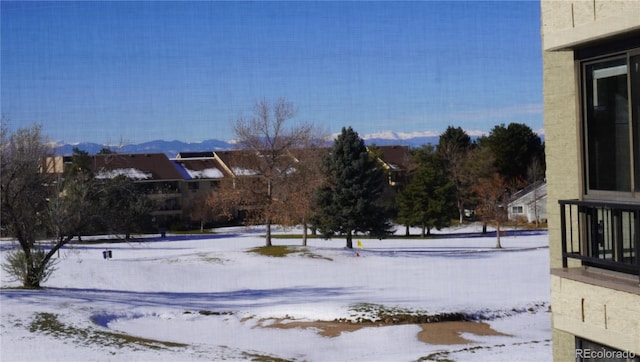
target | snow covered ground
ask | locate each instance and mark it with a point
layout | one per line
(208, 299)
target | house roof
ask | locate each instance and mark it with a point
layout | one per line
(198, 167)
(148, 166)
(246, 162)
(239, 162)
(539, 186)
(211, 164)
(396, 157)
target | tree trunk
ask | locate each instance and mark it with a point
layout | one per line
(304, 234)
(422, 233)
(349, 240)
(406, 231)
(31, 280)
(268, 218)
(268, 236)
(460, 212)
(484, 227)
(498, 245)
(535, 207)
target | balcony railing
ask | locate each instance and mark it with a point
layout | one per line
(601, 234)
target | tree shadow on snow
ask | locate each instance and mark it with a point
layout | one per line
(238, 299)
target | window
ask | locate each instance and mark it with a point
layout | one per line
(611, 112)
(516, 209)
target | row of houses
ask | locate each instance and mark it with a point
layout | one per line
(177, 185)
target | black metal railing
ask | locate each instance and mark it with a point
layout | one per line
(601, 234)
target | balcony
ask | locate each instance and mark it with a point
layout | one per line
(600, 234)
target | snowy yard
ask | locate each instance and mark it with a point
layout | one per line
(209, 299)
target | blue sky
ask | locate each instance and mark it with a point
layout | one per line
(111, 72)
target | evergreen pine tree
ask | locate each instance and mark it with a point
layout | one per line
(350, 202)
(514, 147)
(428, 199)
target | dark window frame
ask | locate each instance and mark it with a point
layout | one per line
(628, 188)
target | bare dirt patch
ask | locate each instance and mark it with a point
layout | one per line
(325, 328)
(450, 332)
(432, 333)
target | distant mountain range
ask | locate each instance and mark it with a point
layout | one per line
(172, 148)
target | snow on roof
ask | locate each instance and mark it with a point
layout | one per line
(128, 172)
(243, 171)
(205, 173)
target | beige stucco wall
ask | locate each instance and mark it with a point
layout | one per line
(563, 173)
(54, 164)
(561, 141)
(564, 345)
(566, 23)
(600, 314)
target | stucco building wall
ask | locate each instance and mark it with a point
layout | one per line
(598, 311)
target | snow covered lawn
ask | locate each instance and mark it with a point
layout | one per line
(209, 298)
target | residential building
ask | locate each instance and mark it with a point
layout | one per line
(591, 64)
(158, 177)
(397, 162)
(180, 187)
(202, 173)
(529, 204)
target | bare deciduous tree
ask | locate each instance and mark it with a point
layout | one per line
(296, 206)
(198, 208)
(269, 142)
(41, 206)
(493, 194)
(473, 165)
(535, 174)
(29, 209)
(455, 148)
(455, 159)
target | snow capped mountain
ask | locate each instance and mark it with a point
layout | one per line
(172, 148)
(390, 135)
